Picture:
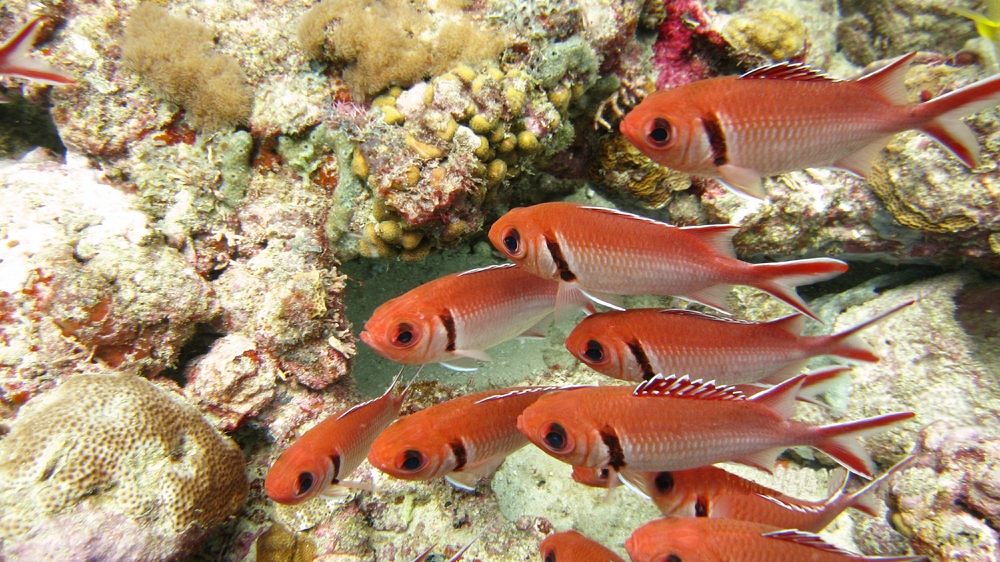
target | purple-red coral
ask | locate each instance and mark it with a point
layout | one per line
(687, 49)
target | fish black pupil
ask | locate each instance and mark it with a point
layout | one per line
(594, 351)
(556, 437)
(664, 482)
(603, 474)
(305, 482)
(660, 133)
(405, 337)
(412, 460)
(512, 241)
(551, 556)
(673, 558)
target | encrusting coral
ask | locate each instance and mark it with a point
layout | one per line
(383, 42)
(112, 466)
(175, 56)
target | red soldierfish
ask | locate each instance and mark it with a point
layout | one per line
(713, 492)
(571, 546)
(704, 539)
(669, 424)
(605, 253)
(331, 450)
(635, 345)
(451, 320)
(15, 60)
(788, 117)
(460, 439)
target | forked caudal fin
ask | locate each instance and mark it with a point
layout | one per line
(848, 345)
(946, 112)
(864, 500)
(780, 279)
(840, 441)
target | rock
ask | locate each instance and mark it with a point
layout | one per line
(110, 466)
(948, 500)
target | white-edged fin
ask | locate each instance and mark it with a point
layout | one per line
(538, 330)
(820, 381)
(477, 354)
(836, 484)
(423, 555)
(385, 394)
(742, 181)
(717, 236)
(819, 543)
(458, 555)
(467, 478)
(763, 460)
(714, 296)
(861, 161)
(798, 508)
(684, 387)
(461, 364)
(18, 62)
(865, 500)
(888, 80)
(783, 374)
(625, 477)
(487, 268)
(788, 71)
(704, 315)
(465, 481)
(623, 214)
(570, 300)
(525, 390)
(609, 300)
(793, 323)
(336, 492)
(781, 398)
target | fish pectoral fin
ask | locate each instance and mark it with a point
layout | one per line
(860, 162)
(764, 460)
(461, 364)
(539, 330)
(570, 300)
(714, 296)
(609, 300)
(742, 181)
(336, 492)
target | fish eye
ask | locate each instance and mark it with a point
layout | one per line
(672, 558)
(594, 351)
(603, 474)
(555, 437)
(550, 556)
(664, 482)
(305, 483)
(405, 336)
(511, 240)
(411, 461)
(659, 132)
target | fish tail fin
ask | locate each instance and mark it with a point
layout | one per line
(946, 112)
(864, 500)
(818, 382)
(848, 345)
(15, 59)
(840, 441)
(780, 279)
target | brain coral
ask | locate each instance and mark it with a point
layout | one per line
(112, 466)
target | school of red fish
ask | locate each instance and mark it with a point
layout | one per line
(705, 389)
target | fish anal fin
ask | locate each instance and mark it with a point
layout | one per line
(683, 387)
(538, 330)
(763, 460)
(819, 543)
(783, 374)
(742, 181)
(465, 481)
(792, 324)
(781, 398)
(788, 71)
(861, 161)
(717, 236)
(888, 80)
(714, 296)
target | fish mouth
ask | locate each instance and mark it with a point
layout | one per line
(627, 128)
(368, 339)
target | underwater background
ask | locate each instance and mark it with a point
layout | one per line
(194, 232)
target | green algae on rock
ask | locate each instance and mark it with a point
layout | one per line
(110, 465)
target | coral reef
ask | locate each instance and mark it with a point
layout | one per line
(884, 30)
(174, 55)
(774, 35)
(621, 168)
(947, 502)
(110, 465)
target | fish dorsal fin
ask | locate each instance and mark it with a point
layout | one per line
(487, 268)
(810, 540)
(888, 80)
(385, 395)
(704, 316)
(781, 398)
(792, 324)
(684, 387)
(627, 215)
(717, 236)
(788, 71)
(523, 391)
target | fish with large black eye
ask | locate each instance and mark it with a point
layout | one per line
(571, 546)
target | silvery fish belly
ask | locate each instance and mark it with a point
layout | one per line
(452, 320)
(671, 423)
